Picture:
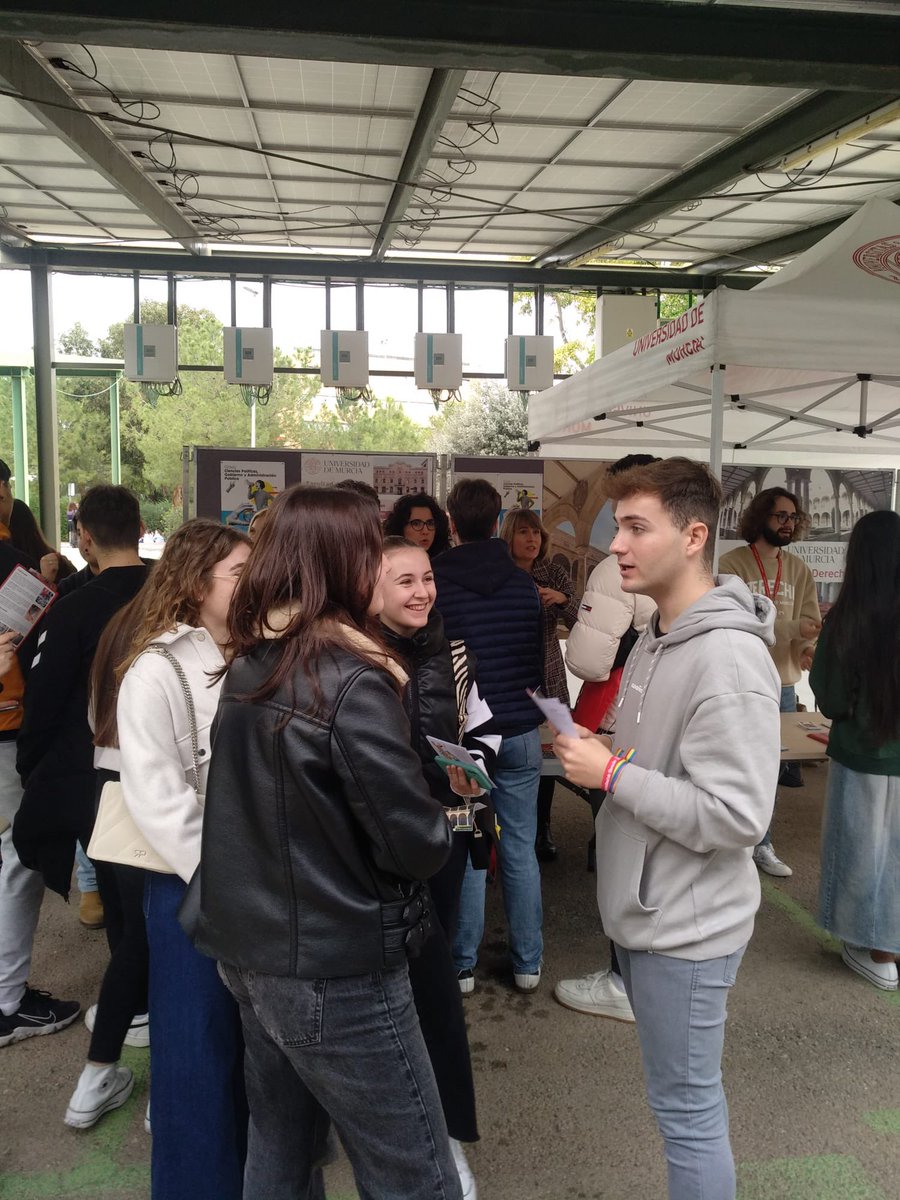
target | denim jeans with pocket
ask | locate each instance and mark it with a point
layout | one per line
(516, 777)
(680, 1011)
(349, 1051)
(198, 1106)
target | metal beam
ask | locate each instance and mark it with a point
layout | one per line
(806, 122)
(45, 402)
(442, 90)
(630, 39)
(493, 274)
(22, 71)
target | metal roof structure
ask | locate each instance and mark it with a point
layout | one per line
(686, 137)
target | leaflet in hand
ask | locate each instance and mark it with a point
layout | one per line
(555, 712)
(24, 598)
(451, 755)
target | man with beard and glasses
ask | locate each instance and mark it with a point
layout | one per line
(773, 520)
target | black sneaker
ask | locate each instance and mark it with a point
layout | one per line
(38, 1013)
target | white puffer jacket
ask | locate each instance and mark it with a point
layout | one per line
(605, 615)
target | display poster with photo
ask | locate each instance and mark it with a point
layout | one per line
(835, 500)
(520, 481)
(391, 475)
(248, 486)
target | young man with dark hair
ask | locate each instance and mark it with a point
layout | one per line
(55, 752)
(22, 1008)
(493, 606)
(689, 793)
(769, 524)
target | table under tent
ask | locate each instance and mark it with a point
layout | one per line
(804, 369)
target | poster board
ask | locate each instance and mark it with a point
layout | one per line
(835, 500)
(520, 481)
(391, 475)
(231, 484)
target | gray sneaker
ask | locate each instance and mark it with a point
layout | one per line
(598, 995)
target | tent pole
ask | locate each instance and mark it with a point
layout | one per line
(716, 431)
(717, 419)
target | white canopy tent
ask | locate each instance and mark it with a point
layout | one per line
(804, 370)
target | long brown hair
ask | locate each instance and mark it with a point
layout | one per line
(312, 573)
(114, 645)
(172, 596)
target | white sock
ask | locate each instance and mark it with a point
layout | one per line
(94, 1073)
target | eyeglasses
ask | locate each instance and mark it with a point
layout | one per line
(783, 517)
(418, 525)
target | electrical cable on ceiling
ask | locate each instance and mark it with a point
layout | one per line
(429, 213)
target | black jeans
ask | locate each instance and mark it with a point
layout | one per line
(123, 992)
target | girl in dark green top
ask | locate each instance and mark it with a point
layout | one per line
(856, 681)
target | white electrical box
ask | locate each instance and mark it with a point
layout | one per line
(151, 353)
(621, 319)
(529, 363)
(249, 356)
(438, 361)
(345, 358)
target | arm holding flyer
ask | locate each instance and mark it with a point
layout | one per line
(24, 599)
(450, 755)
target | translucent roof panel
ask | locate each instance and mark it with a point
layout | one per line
(307, 155)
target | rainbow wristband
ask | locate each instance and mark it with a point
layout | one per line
(614, 769)
(611, 765)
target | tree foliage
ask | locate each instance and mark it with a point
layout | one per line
(380, 424)
(490, 420)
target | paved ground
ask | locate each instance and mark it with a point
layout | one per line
(811, 1062)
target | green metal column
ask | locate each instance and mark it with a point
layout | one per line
(115, 446)
(20, 436)
(45, 402)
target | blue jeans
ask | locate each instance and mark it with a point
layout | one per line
(85, 874)
(787, 703)
(349, 1050)
(198, 1107)
(680, 1010)
(517, 773)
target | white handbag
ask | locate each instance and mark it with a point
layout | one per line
(116, 838)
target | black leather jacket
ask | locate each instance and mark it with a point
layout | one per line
(316, 828)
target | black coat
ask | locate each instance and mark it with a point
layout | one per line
(55, 748)
(315, 827)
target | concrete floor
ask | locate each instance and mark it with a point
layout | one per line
(811, 1061)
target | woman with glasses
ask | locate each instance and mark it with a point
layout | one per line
(856, 681)
(422, 521)
(180, 644)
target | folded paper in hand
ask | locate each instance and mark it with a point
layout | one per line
(555, 712)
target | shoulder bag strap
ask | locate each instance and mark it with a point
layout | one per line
(189, 702)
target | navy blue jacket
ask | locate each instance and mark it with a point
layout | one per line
(493, 605)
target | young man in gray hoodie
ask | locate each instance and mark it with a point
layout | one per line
(689, 794)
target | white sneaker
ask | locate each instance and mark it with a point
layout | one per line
(138, 1031)
(466, 1178)
(767, 860)
(860, 960)
(147, 1127)
(527, 983)
(99, 1090)
(598, 995)
(466, 981)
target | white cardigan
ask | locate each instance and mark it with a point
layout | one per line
(155, 743)
(605, 615)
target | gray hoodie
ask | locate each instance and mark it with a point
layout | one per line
(699, 704)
